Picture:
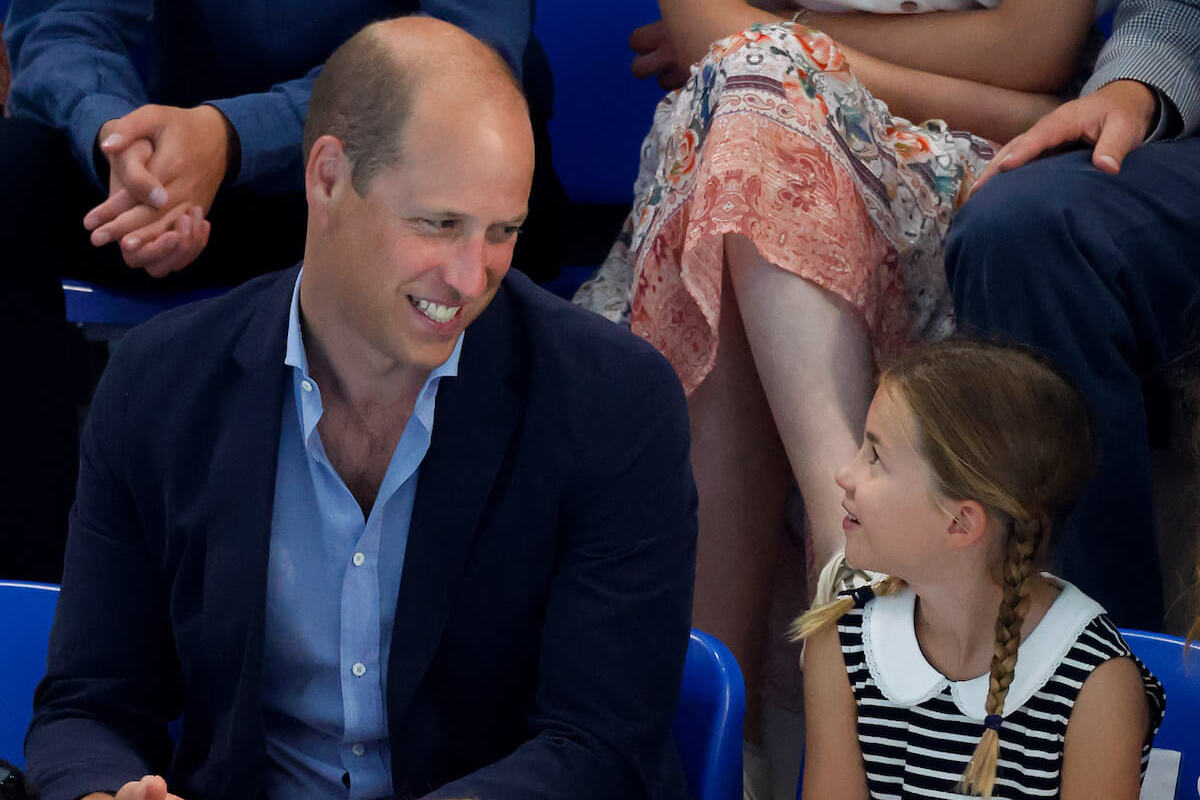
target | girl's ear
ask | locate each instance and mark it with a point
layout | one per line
(968, 523)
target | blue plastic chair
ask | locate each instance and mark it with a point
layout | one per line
(601, 112)
(708, 724)
(26, 613)
(1179, 735)
(92, 304)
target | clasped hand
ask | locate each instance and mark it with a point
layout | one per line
(165, 167)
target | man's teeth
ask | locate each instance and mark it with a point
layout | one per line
(436, 311)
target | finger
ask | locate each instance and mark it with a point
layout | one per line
(141, 123)
(1119, 134)
(106, 212)
(152, 253)
(653, 63)
(126, 223)
(132, 170)
(647, 37)
(153, 228)
(192, 231)
(673, 78)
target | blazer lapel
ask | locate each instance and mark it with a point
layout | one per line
(238, 534)
(477, 415)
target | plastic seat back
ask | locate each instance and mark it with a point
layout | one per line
(1174, 772)
(601, 112)
(26, 613)
(708, 724)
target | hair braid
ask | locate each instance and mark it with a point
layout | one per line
(1023, 541)
(825, 616)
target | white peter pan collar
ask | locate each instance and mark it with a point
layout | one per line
(905, 677)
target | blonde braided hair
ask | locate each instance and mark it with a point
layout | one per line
(1023, 540)
(826, 616)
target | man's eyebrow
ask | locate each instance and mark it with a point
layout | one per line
(873, 439)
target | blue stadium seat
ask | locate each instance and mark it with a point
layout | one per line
(26, 612)
(708, 724)
(92, 304)
(1174, 772)
(601, 112)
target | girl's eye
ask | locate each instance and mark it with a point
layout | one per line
(873, 455)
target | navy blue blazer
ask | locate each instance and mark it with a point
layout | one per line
(543, 617)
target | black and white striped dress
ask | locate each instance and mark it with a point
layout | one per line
(917, 729)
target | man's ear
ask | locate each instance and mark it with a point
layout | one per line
(326, 174)
(968, 524)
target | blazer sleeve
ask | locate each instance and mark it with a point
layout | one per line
(101, 712)
(619, 612)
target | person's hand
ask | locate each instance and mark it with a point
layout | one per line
(656, 56)
(150, 787)
(189, 158)
(1114, 119)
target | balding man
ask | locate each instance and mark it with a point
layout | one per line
(395, 524)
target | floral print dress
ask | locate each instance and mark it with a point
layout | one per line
(774, 139)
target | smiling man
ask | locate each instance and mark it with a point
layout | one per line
(397, 524)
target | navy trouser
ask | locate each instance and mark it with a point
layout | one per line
(1102, 273)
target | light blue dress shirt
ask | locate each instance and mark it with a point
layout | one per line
(332, 584)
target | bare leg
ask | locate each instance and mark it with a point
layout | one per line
(813, 357)
(743, 478)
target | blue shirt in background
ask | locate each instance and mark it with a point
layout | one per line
(255, 60)
(332, 584)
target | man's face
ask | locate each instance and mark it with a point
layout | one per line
(422, 253)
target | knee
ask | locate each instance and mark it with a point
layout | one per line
(1017, 235)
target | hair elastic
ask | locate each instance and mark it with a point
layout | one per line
(861, 596)
(993, 721)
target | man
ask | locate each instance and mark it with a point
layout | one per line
(172, 131)
(402, 524)
(1091, 258)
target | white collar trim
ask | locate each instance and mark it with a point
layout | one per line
(905, 677)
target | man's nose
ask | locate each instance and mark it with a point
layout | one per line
(466, 270)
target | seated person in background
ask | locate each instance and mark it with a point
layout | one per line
(786, 241)
(911, 684)
(199, 167)
(1090, 256)
(374, 524)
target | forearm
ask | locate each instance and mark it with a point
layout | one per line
(989, 111)
(71, 67)
(1011, 46)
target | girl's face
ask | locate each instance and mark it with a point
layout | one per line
(893, 522)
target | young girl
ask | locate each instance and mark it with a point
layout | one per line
(787, 239)
(965, 671)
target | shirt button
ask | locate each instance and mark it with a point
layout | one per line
(359, 670)
(306, 385)
(359, 558)
(358, 749)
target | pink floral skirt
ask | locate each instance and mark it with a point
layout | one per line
(774, 139)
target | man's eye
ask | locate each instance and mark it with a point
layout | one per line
(439, 224)
(873, 457)
(504, 233)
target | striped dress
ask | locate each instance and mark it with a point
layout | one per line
(917, 729)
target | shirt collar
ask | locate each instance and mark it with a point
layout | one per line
(296, 356)
(905, 677)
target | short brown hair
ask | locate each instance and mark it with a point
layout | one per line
(364, 94)
(362, 97)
